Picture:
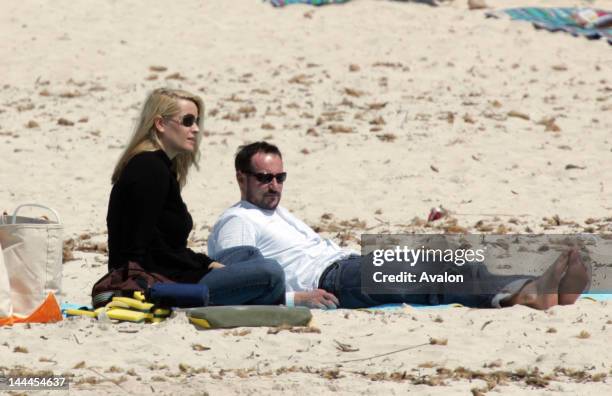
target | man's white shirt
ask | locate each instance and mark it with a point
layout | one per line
(280, 236)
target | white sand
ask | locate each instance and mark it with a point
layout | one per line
(449, 78)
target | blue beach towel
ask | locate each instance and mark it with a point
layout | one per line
(563, 19)
(282, 3)
(391, 307)
(384, 307)
(66, 306)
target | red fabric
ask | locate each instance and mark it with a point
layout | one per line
(47, 312)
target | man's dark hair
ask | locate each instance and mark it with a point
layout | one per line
(245, 153)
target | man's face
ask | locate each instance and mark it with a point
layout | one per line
(265, 195)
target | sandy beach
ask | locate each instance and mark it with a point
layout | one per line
(383, 110)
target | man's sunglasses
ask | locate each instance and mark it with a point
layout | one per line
(268, 177)
(187, 120)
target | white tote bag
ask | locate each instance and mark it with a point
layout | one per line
(6, 308)
(32, 255)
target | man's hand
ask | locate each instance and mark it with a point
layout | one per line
(317, 298)
(215, 265)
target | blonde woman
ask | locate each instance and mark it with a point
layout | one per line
(148, 222)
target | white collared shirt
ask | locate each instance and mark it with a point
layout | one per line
(278, 235)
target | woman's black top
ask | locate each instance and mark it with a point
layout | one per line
(148, 221)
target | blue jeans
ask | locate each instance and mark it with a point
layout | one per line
(246, 279)
(344, 281)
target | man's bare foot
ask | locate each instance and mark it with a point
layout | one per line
(575, 280)
(542, 293)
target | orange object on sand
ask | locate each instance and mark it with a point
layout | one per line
(47, 312)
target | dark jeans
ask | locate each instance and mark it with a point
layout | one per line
(246, 279)
(344, 281)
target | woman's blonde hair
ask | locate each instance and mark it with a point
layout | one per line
(162, 102)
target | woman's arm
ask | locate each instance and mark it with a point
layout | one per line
(215, 265)
(146, 184)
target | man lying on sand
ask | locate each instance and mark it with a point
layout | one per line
(319, 274)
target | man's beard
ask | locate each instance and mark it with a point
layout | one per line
(269, 201)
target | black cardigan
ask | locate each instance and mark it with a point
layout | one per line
(148, 221)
